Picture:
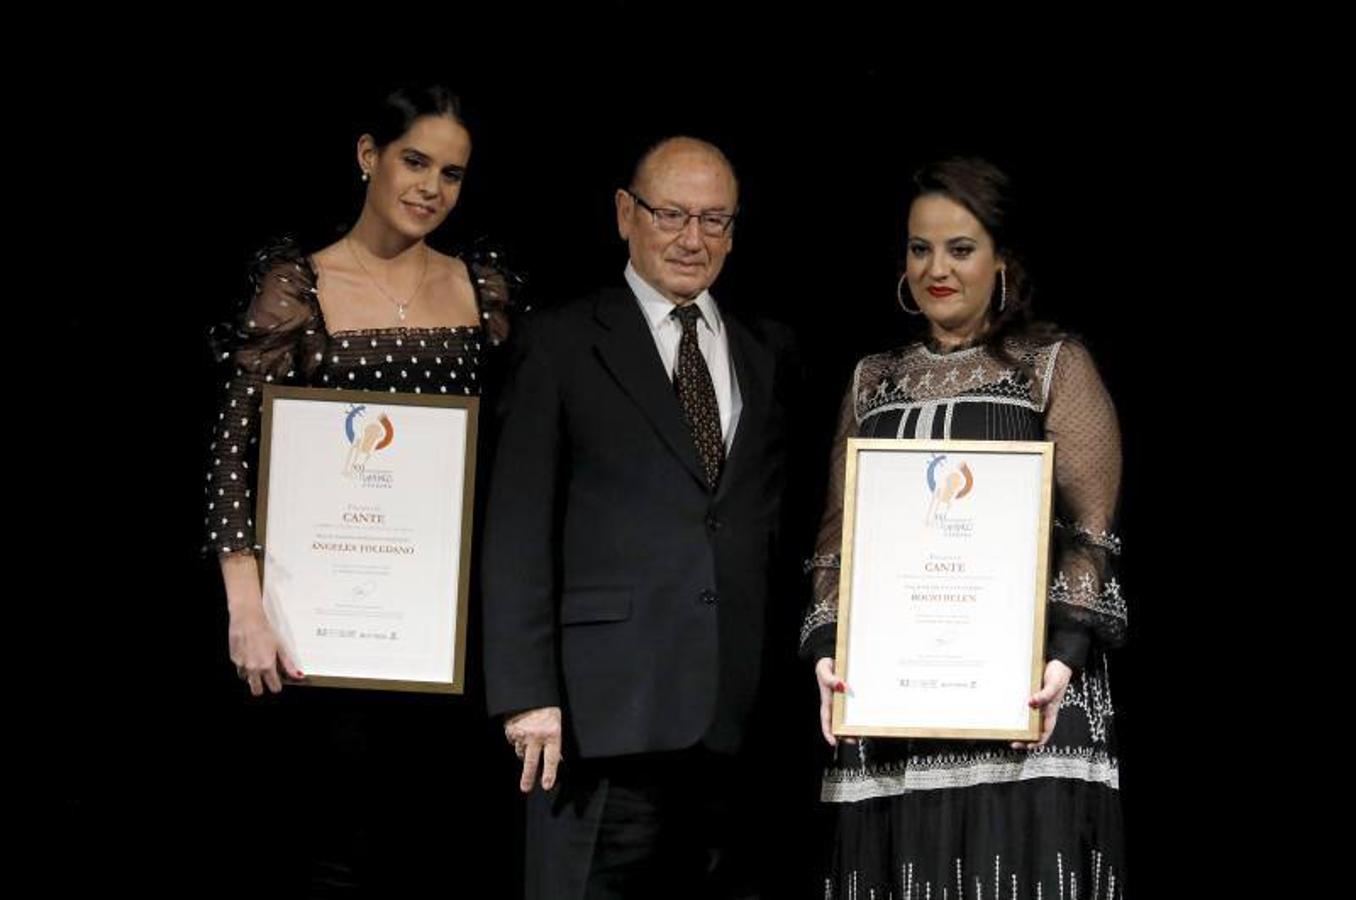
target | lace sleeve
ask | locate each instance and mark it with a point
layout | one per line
(818, 633)
(499, 289)
(1085, 598)
(278, 337)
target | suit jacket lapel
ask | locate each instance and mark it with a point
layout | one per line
(626, 347)
(753, 367)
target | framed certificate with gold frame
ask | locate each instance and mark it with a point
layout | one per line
(364, 514)
(945, 566)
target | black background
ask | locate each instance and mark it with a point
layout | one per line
(165, 774)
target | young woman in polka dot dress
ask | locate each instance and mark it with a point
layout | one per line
(378, 310)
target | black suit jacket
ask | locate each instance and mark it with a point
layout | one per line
(616, 584)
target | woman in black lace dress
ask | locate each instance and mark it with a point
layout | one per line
(378, 310)
(933, 818)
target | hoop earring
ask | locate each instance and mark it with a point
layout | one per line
(899, 296)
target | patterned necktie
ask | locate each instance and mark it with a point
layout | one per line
(697, 395)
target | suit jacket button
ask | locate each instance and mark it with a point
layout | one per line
(713, 524)
(708, 597)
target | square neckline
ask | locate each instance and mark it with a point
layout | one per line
(392, 331)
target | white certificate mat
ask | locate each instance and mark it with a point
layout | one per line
(942, 596)
(365, 520)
